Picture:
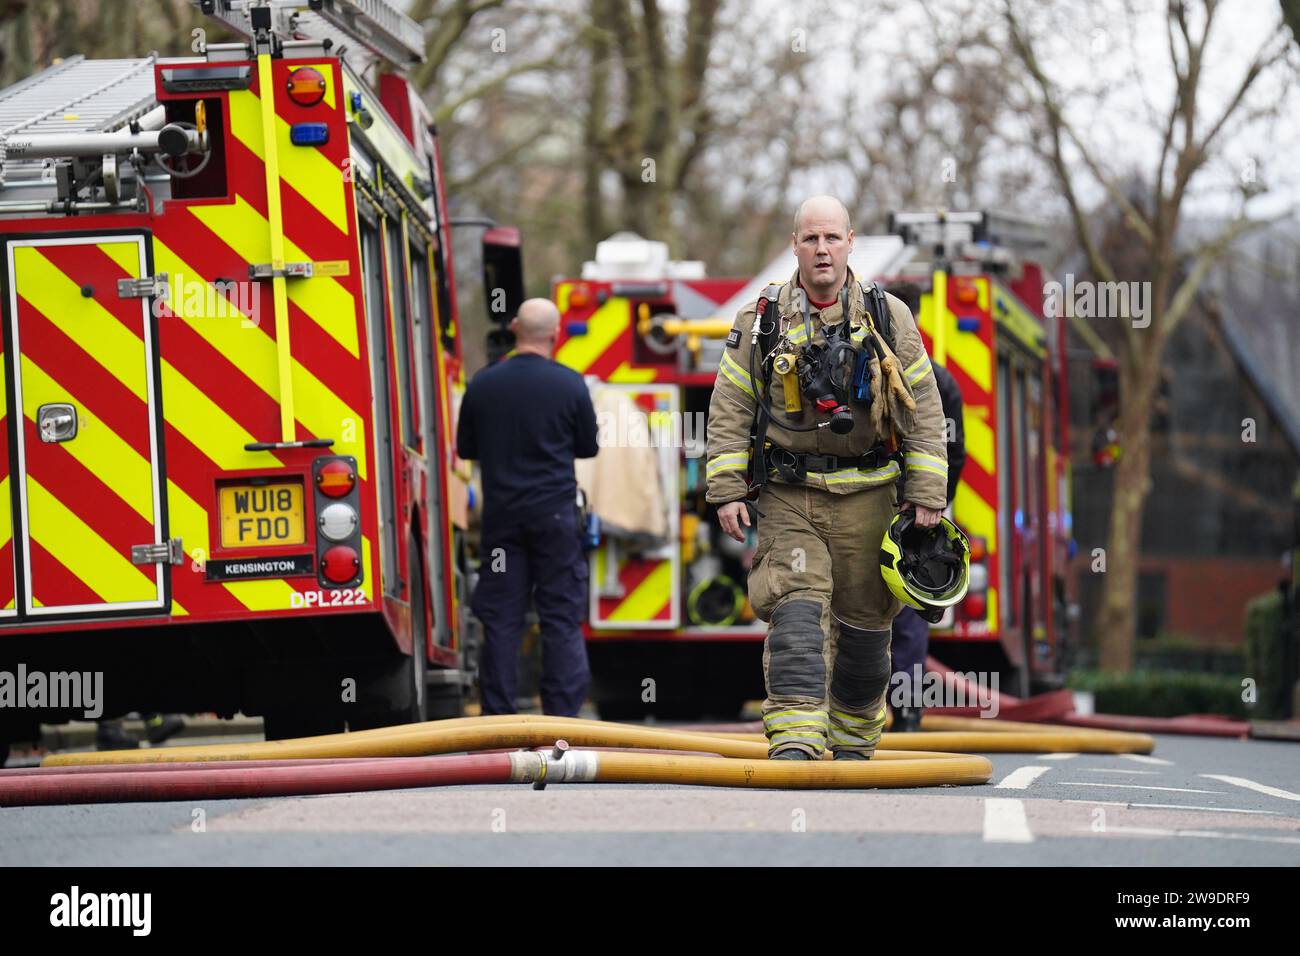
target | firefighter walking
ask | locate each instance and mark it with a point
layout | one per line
(823, 387)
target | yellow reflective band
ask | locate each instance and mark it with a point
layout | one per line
(732, 461)
(797, 720)
(738, 376)
(817, 743)
(920, 461)
(816, 714)
(917, 370)
(876, 476)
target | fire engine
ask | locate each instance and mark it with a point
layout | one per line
(231, 354)
(673, 610)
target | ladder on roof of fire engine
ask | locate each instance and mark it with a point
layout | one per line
(379, 27)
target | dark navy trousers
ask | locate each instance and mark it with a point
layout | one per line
(541, 560)
(910, 643)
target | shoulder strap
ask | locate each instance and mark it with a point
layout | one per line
(874, 297)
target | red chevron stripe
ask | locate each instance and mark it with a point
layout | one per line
(53, 584)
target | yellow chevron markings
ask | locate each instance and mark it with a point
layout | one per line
(647, 598)
(603, 329)
(324, 299)
(85, 554)
(321, 411)
(305, 168)
(126, 255)
(979, 441)
(97, 447)
(113, 346)
(975, 516)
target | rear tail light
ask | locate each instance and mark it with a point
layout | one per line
(338, 522)
(975, 607)
(336, 478)
(978, 549)
(340, 564)
(306, 86)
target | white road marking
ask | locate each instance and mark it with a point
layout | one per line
(1133, 786)
(1097, 803)
(1111, 770)
(1143, 758)
(1005, 821)
(1180, 806)
(1207, 834)
(1252, 785)
(1021, 778)
(1254, 838)
(1056, 756)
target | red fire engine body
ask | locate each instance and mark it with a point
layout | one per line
(230, 350)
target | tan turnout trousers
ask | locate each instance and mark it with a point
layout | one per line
(816, 579)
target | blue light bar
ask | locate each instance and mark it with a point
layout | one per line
(309, 134)
(575, 328)
(970, 324)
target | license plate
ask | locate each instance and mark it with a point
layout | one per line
(256, 516)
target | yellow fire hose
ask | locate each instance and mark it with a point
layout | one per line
(514, 731)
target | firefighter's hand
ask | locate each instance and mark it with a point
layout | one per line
(925, 517)
(730, 517)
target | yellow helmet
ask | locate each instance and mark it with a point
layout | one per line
(926, 568)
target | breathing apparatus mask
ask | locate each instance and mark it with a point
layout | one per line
(828, 374)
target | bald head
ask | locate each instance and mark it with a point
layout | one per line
(821, 208)
(823, 240)
(535, 326)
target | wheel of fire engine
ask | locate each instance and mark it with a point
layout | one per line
(445, 701)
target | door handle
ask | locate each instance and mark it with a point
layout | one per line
(56, 422)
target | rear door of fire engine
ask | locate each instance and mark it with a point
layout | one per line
(85, 452)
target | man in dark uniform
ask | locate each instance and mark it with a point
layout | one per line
(911, 640)
(525, 420)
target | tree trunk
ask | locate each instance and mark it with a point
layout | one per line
(1117, 622)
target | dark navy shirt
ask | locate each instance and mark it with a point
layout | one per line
(525, 419)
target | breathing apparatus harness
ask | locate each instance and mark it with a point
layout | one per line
(827, 374)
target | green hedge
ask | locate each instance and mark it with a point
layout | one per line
(1152, 693)
(1266, 653)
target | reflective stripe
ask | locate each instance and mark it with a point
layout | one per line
(732, 461)
(855, 731)
(920, 461)
(917, 370)
(818, 721)
(817, 741)
(738, 376)
(876, 476)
